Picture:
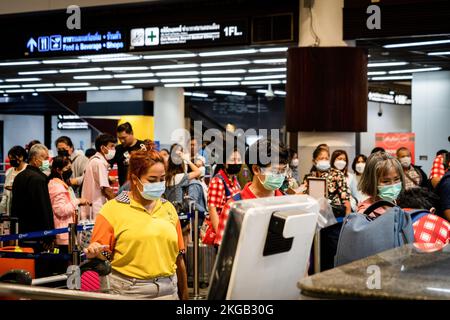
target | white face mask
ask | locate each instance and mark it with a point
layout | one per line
(340, 164)
(360, 167)
(406, 162)
(294, 163)
(323, 165)
(111, 154)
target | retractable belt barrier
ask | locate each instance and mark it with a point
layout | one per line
(46, 233)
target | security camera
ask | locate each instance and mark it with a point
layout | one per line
(269, 93)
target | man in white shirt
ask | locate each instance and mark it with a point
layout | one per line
(96, 188)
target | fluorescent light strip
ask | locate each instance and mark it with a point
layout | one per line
(50, 89)
(134, 75)
(116, 87)
(224, 64)
(180, 85)
(80, 70)
(392, 78)
(29, 73)
(275, 76)
(260, 82)
(269, 61)
(267, 70)
(38, 85)
(22, 79)
(416, 44)
(376, 73)
(196, 94)
(72, 84)
(441, 53)
(140, 81)
(19, 63)
(279, 92)
(82, 89)
(230, 71)
(222, 92)
(10, 86)
(227, 53)
(20, 91)
(386, 64)
(222, 79)
(64, 61)
(105, 56)
(414, 70)
(117, 59)
(177, 73)
(125, 68)
(94, 76)
(179, 80)
(170, 56)
(212, 84)
(279, 49)
(234, 93)
(175, 66)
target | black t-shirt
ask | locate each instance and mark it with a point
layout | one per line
(122, 157)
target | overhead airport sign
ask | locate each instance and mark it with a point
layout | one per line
(91, 42)
(188, 35)
(71, 122)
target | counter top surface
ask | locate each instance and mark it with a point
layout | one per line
(418, 271)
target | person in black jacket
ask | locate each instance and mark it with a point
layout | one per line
(31, 205)
(414, 175)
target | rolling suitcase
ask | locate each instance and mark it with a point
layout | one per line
(206, 259)
(7, 264)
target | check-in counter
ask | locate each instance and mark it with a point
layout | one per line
(419, 272)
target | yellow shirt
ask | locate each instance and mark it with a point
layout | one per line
(144, 245)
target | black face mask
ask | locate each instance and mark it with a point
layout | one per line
(67, 174)
(63, 153)
(14, 163)
(233, 168)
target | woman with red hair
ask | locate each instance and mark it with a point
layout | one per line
(140, 233)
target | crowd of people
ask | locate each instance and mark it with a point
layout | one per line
(143, 230)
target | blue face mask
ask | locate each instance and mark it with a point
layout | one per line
(273, 181)
(390, 192)
(152, 191)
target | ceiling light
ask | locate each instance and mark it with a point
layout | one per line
(94, 76)
(72, 84)
(227, 53)
(20, 91)
(9, 86)
(80, 70)
(386, 64)
(170, 56)
(223, 64)
(125, 68)
(50, 89)
(34, 94)
(179, 85)
(106, 56)
(82, 89)
(222, 92)
(196, 94)
(441, 53)
(223, 79)
(135, 75)
(267, 70)
(392, 78)
(416, 44)
(414, 70)
(238, 93)
(18, 63)
(63, 61)
(279, 49)
(270, 61)
(180, 80)
(116, 87)
(234, 93)
(376, 73)
(260, 82)
(177, 73)
(28, 73)
(22, 79)
(261, 91)
(37, 85)
(175, 66)
(117, 59)
(280, 92)
(274, 76)
(140, 81)
(217, 84)
(230, 71)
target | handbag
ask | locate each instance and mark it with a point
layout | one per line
(207, 233)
